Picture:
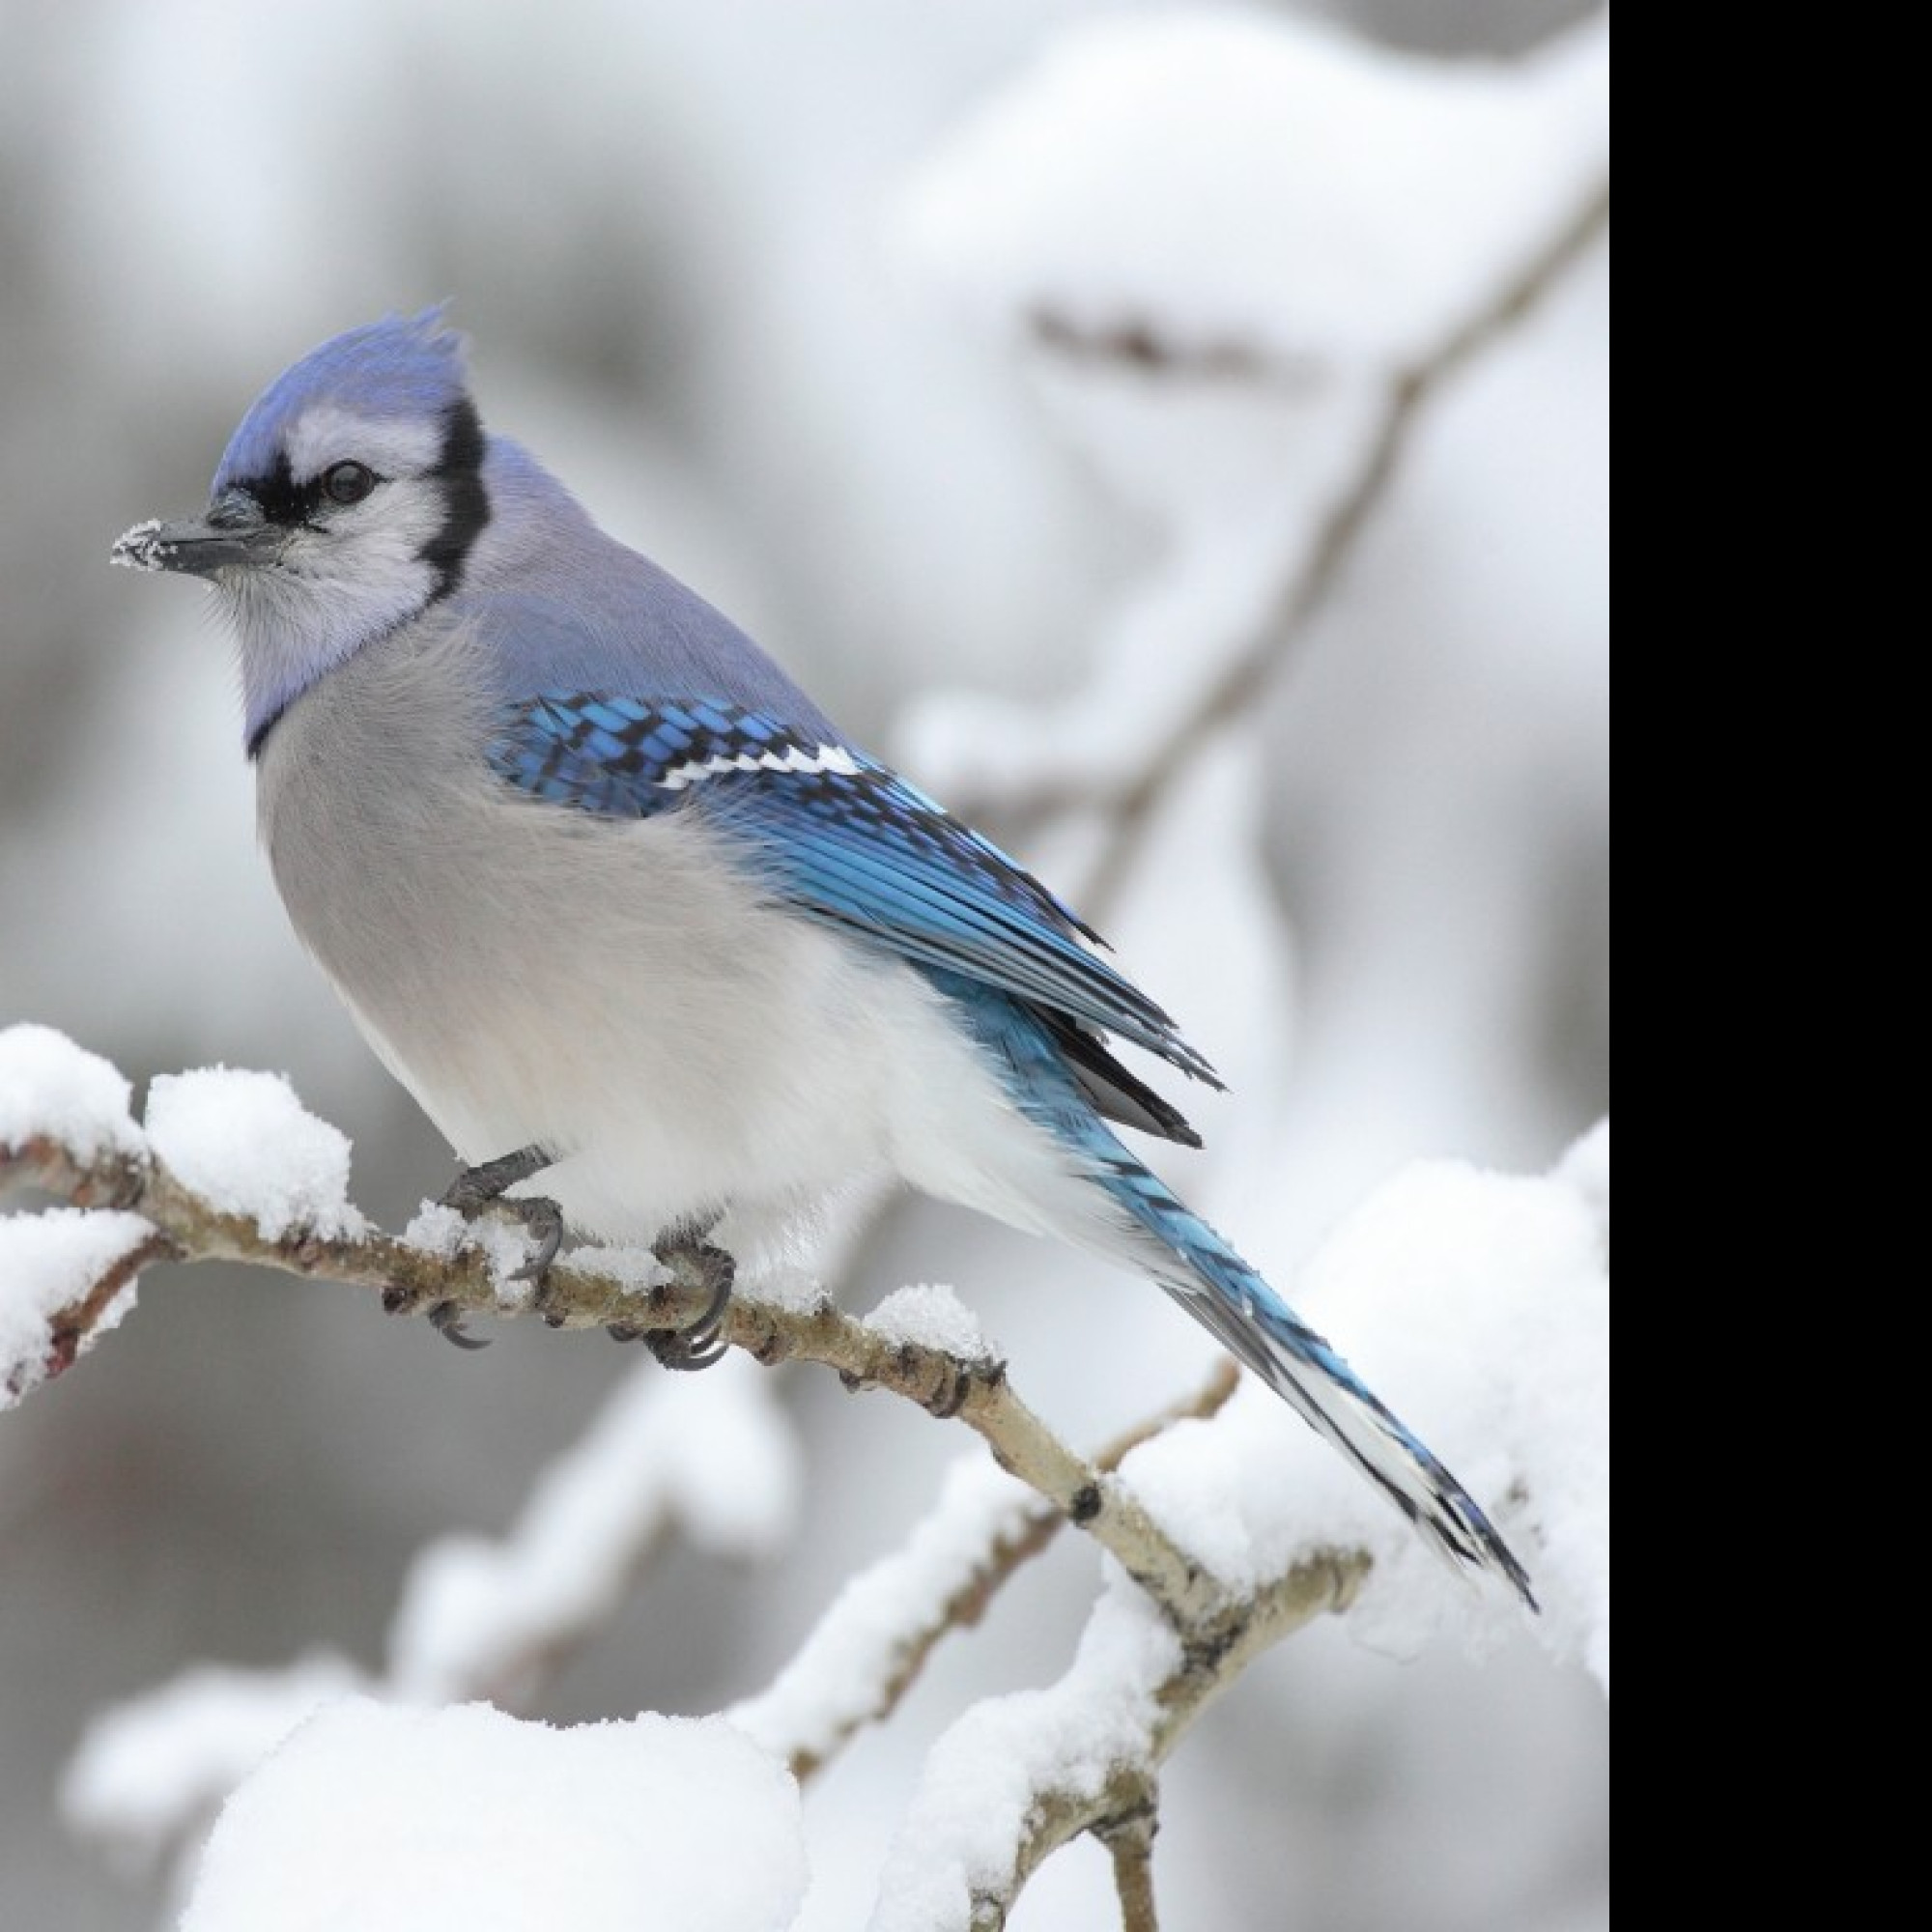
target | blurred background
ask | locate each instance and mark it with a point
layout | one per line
(705, 254)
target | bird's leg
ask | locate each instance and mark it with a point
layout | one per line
(698, 1346)
(476, 1188)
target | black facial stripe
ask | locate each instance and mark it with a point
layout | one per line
(459, 470)
(466, 501)
(282, 500)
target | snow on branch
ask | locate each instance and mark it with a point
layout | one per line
(75, 1274)
(590, 1289)
(1219, 191)
(1127, 793)
(1328, 236)
(1488, 1296)
(1019, 1776)
(870, 1645)
(1236, 1526)
(1496, 1287)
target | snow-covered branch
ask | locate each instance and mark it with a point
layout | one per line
(1020, 1777)
(1014, 1780)
(228, 1166)
(1126, 798)
(1244, 679)
(871, 1644)
(373, 1816)
(296, 1218)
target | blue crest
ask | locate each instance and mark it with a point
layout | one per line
(402, 366)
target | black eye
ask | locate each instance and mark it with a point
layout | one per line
(347, 482)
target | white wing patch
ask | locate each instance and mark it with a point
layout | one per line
(797, 760)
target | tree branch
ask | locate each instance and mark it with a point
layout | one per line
(1061, 1813)
(876, 1636)
(580, 1293)
(1211, 1665)
(1089, 1748)
(1129, 1841)
(1009, 1554)
(1128, 803)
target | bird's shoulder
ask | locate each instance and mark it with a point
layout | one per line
(591, 615)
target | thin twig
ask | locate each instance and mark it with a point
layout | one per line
(1058, 1815)
(68, 1328)
(1128, 805)
(1129, 1841)
(1090, 1758)
(903, 1654)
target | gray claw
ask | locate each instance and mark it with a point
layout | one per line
(544, 1219)
(446, 1318)
(687, 1353)
(702, 1345)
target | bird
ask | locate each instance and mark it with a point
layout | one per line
(620, 905)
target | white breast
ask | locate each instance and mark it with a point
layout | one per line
(617, 993)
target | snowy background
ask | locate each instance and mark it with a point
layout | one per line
(992, 361)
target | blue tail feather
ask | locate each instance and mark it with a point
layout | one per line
(1249, 1319)
(1202, 1273)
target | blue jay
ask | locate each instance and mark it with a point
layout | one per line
(618, 903)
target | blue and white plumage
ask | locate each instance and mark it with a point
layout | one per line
(596, 878)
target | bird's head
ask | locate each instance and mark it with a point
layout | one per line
(345, 504)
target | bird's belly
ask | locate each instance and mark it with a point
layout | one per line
(619, 996)
(670, 1096)
(627, 996)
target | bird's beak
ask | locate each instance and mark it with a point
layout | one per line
(233, 533)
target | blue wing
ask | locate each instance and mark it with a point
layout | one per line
(846, 842)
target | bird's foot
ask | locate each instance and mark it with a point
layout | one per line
(478, 1188)
(701, 1346)
(544, 1219)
